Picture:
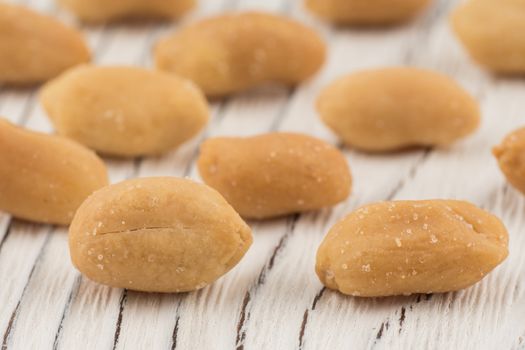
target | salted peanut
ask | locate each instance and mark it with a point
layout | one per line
(125, 111)
(115, 10)
(394, 108)
(233, 52)
(34, 47)
(405, 247)
(511, 158)
(492, 32)
(275, 174)
(45, 178)
(157, 235)
(368, 12)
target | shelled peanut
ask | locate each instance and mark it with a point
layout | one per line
(157, 235)
(95, 11)
(492, 33)
(370, 12)
(35, 47)
(233, 52)
(125, 111)
(393, 108)
(45, 178)
(406, 247)
(275, 174)
(511, 158)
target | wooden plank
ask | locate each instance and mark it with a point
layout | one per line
(395, 322)
(249, 113)
(284, 284)
(48, 290)
(41, 284)
(16, 269)
(118, 45)
(123, 313)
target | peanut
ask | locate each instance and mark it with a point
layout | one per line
(405, 247)
(275, 174)
(96, 11)
(45, 178)
(370, 12)
(394, 108)
(125, 111)
(234, 52)
(157, 235)
(34, 47)
(511, 158)
(492, 32)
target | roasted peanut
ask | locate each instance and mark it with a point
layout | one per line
(125, 111)
(234, 52)
(157, 235)
(405, 247)
(393, 108)
(34, 47)
(114, 10)
(45, 178)
(511, 158)
(492, 32)
(375, 12)
(275, 174)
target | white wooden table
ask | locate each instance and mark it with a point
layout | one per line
(273, 299)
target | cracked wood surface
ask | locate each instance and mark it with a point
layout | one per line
(272, 299)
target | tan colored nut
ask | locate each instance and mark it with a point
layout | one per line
(511, 158)
(115, 10)
(394, 108)
(492, 32)
(275, 174)
(233, 52)
(125, 111)
(157, 235)
(34, 47)
(367, 12)
(406, 247)
(45, 178)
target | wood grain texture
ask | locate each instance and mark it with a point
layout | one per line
(272, 299)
